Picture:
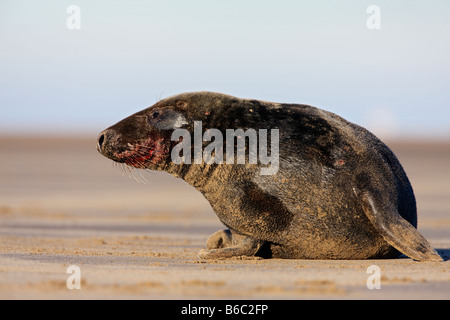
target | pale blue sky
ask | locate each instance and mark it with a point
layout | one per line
(128, 54)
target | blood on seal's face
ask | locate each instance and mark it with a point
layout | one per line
(143, 140)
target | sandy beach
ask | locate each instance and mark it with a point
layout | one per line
(63, 204)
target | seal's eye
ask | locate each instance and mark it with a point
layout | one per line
(155, 114)
(166, 119)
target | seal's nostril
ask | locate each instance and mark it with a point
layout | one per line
(101, 139)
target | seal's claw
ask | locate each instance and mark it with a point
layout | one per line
(203, 254)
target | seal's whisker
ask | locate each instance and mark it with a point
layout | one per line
(131, 173)
(140, 177)
(139, 171)
(143, 179)
(127, 170)
(134, 171)
(139, 165)
(118, 167)
(139, 160)
(124, 171)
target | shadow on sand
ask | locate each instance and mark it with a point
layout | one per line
(444, 253)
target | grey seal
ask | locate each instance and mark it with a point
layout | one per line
(339, 191)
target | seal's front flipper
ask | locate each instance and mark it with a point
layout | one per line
(398, 232)
(220, 239)
(241, 246)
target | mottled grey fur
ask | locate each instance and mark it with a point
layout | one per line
(339, 193)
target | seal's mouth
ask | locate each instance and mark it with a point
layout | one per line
(144, 154)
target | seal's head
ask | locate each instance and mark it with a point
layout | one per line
(143, 140)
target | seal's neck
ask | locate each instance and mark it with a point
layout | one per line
(197, 175)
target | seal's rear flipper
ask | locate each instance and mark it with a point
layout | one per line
(398, 232)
